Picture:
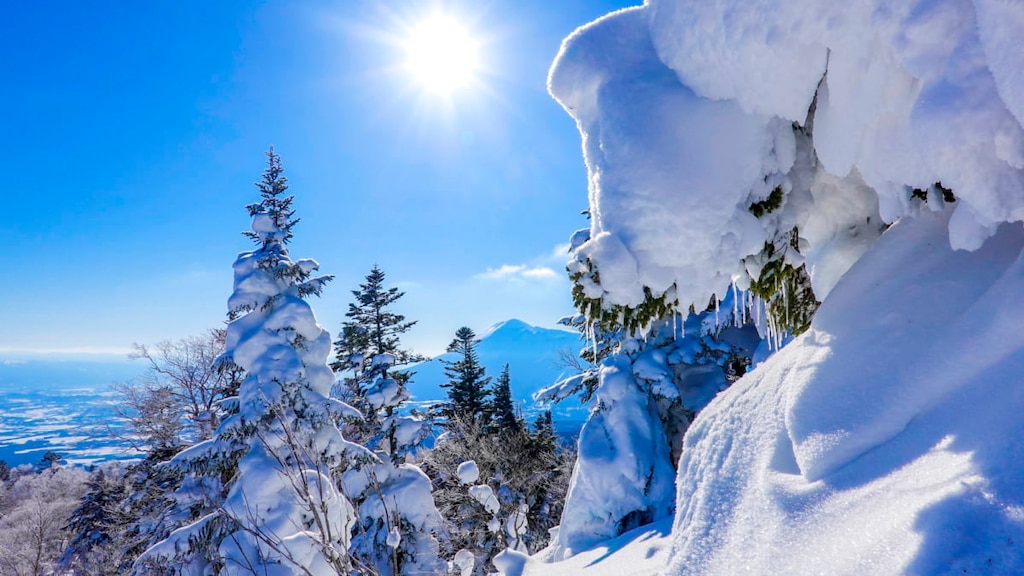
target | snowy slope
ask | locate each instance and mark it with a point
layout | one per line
(531, 352)
(886, 440)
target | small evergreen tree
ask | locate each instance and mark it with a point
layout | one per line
(397, 522)
(544, 438)
(373, 329)
(369, 351)
(502, 410)
(467, 383)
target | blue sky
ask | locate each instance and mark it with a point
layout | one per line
(133, 131)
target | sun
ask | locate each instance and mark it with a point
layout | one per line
(441, 54)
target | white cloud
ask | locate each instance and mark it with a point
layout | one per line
(520, 271)
(506, 271)
(542, 272)
(561, 252)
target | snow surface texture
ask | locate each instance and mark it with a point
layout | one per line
(881, 441)
(686, 111)
(640, 552)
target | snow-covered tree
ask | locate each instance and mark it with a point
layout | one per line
(397, 523)
(467, 380)
(645, 391)
(32, 518)
(97, 528)
(369, 355)
(268, 503)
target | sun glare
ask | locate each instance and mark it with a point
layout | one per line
(441, 54)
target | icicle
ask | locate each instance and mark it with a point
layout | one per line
(717, 303)
(735, 306)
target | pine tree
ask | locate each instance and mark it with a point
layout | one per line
(467, 383)
(372, 328)
(502, 410)
(369, 350)
(397, 522)
(544, 438)
(97, 526)
(276, 507)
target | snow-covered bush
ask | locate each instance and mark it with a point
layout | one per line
(496, 489)
(645, 392)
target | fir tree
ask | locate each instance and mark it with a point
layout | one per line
(97, 526)
(467, 383)
(502, 410)
(373, 329)
(397, 522)
(276, 507)
(544, 438)
(369, 350)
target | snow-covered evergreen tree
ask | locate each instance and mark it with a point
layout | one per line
(275, 508)
(397, 522)
(369, 353)
(97, 527)
(467, 380)
(645, 391)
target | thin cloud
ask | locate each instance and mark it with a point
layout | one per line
(542, 272)
(521, 271)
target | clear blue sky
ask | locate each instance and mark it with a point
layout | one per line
(132, 133)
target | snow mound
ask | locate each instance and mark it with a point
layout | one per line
(882, 441)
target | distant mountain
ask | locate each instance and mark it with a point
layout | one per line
(532, 355)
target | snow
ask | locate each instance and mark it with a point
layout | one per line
(885, 439)
(685, 110)
(468, 472)
(464, 561)
(483, 494)
(623, 468)
(857, 448)
(394, 538)
(640, 552)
